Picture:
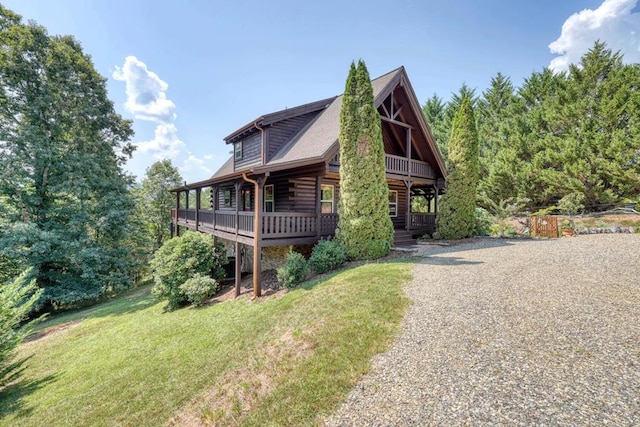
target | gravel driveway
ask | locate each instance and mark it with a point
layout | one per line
(509, 332)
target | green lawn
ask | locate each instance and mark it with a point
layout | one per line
(286, 360)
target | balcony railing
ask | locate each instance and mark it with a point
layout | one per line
(398, 165)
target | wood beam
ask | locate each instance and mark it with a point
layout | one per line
(396, 122)
(395, 114)
(386, 112)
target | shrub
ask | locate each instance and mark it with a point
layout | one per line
(484, 222)
(182, 258)
(294, 271)
(198, 288)
(327, 255)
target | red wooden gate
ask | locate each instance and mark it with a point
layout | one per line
(544, 226)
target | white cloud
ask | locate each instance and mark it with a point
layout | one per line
(613, 22)
(146, 92)
(165, 144)
(192, 165)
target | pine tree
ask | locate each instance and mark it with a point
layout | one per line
(456, 218)
(434, 111)
(365, 228)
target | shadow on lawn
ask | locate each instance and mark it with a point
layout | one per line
(117, 306)
(11, 396)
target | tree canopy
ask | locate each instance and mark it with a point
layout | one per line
(575, 133)
(155, 202)
(65, 199)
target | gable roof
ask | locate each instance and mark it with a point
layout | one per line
(318, 140)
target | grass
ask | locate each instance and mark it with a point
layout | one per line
(278, 361)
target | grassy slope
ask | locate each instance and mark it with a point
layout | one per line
(288, 360)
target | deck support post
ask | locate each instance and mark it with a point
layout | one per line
(238, 273)
(435, 203)
(257, 232)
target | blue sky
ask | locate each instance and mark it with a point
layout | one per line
(189, 73)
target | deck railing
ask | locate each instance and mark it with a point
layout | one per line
(275, 225)
(328, 224)
(399, 165)
(422, 220)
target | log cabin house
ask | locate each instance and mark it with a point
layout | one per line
(281, 184)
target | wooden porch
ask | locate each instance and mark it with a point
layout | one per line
(277, 228)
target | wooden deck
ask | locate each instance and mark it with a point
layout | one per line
(285, 227)
(279, 228)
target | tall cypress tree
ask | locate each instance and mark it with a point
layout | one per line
(364, 229)
(456, 218)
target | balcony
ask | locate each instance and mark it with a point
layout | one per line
(399, 166)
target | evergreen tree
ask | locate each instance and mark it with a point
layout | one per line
(456, 218)
(434, 112)
(365, 228)
(62, 147)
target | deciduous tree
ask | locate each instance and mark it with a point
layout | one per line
(62, 147)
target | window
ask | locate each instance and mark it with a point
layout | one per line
(326, 199)
(246, 197)
(269, 199)
(226, 198)
(393, 203)
(237, 150)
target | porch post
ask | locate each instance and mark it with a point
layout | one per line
(318, 206)
(408, 184)
(435, 203)
(214, 205)
(198, 190)
(408, 137)
(238, 186)
(186, 198)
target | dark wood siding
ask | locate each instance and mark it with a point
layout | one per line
(221, 197)
(400, 220)
(251, 152)
(281, 132)
(294, 194)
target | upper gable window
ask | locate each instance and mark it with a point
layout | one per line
(237, 150)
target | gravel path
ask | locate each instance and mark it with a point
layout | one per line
(507, 332)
